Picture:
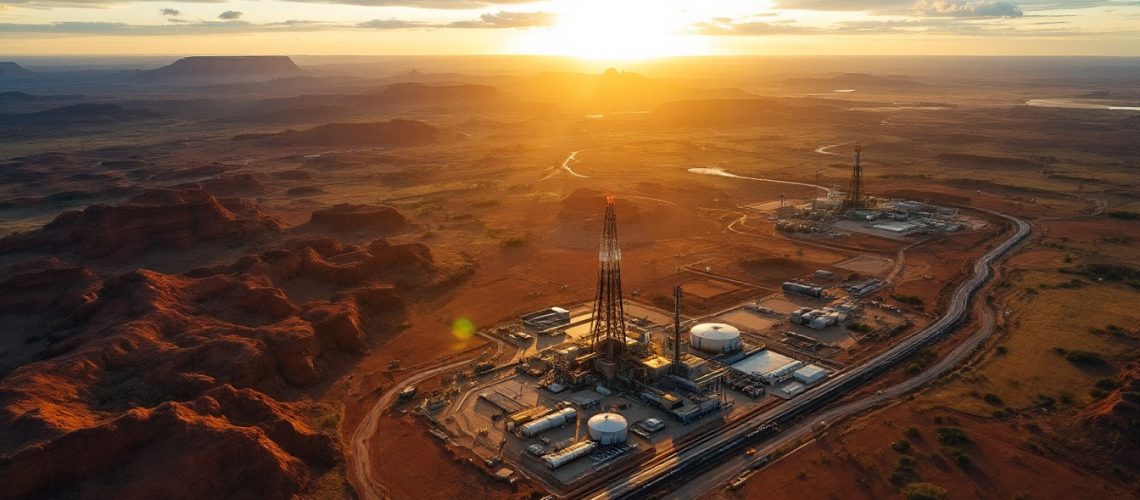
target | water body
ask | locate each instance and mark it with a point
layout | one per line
(1078, 104)
(615, 113)
(900, 108)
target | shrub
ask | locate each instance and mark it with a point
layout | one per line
(924, 491)
(1066, 397)
(1098, 393)
(1002, 350)
(860, 327)
(992, 399)
(958, 456)
(912, 432)
(901, 446)
(514, 242)
(910, 300)
(952, 435)
(1122, 215)
(1084, 357)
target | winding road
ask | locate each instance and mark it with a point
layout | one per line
(565, 166)
(360, 462)
(823, 150)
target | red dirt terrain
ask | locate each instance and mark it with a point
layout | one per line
(121, 382)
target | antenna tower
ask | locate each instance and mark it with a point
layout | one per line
(608, 333)
(855, 192)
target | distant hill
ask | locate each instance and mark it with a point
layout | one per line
(76, 114)
(13, 70)
(857, 81)
(408, 92)
(217, 69)
(611, 91)
(416, 76)
(750, 112)
(389, 133)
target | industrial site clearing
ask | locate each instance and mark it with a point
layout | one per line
(419, 278)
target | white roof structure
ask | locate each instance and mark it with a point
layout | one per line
(763, 362)
(607, 422)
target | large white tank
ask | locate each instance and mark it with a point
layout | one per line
(714, 338)
(608, 428)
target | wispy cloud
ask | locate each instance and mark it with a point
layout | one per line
(170, 12)
(391, 24)
(724, 26)
(230, 15)
(504, 19)
(962, 8)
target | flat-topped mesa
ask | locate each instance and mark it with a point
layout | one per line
(10, 69)
(199, 69)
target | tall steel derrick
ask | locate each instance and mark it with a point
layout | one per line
(608, 334)
(855, 191)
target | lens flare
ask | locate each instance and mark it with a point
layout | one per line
(463, 329)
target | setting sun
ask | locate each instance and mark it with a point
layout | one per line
(606, 30)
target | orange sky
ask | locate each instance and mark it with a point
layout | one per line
(593, 29)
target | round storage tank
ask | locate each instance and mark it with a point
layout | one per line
(714, 338)
(608, 428)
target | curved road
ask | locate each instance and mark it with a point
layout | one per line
(360, 463)
(654, 475)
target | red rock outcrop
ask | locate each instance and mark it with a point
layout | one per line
(162, 218)
(229, 185)
(131, 380)
(217, 443)
(346, 216)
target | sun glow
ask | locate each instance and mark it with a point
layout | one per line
(614, 30)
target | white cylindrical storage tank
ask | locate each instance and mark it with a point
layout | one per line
(608, 428)
(714, 337)
(533, 428)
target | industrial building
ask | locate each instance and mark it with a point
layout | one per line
(547, 319)
(862, 288)
(769, 366)
(814, 292)
(810, 374)
(815, 318)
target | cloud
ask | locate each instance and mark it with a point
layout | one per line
(390, 24)
(424, 4)
(170, 12)
(230, 15)
(720, 26)
(842, 5)
(503, 19)
(963, 8)
(992, 8)
(178, 27)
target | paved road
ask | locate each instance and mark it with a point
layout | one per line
(660, 469)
